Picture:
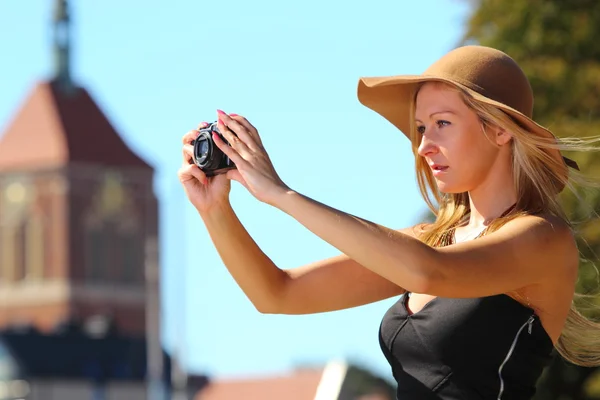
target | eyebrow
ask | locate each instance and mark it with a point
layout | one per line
(438, 112)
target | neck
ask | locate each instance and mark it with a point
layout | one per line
(491, 199)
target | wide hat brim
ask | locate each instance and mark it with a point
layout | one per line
(391, 97)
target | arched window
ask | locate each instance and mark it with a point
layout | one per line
(95, 254)
(22, 247)
(19, 232)
(35, 249)
(113, 237)
(12, 242)
(8, 242)
(132, 257)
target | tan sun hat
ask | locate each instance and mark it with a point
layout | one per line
(490, 75)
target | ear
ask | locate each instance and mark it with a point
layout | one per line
(502, 136)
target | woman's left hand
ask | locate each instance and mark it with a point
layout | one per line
(255, 170)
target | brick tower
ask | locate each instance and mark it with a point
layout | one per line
(77, 212)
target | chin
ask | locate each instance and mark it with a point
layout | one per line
(450, 188)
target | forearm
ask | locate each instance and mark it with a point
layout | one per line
(398, 257)
(258, 277)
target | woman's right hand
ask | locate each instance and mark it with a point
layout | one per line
(203, 192)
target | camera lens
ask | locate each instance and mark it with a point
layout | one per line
(202, 149)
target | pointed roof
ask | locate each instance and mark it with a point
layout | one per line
(333, 381)
(300, 385)
(57, 128)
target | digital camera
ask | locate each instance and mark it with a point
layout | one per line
(207, 156)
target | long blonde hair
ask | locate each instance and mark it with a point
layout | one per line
(538, 178)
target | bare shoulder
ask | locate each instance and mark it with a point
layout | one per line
(543, 223)
(542, 229)
(547, 235)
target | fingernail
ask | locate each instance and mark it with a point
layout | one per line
(233, 115)
(221, 121)
(220, 112)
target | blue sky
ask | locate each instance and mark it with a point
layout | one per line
(157, 69)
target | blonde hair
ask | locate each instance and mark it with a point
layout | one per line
(538, 178)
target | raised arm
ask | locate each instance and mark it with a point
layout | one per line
(515, 256)
(332, 284)
(254, 272)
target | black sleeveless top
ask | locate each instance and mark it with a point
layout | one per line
(465, 348)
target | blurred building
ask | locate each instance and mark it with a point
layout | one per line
(71, 364)
(79, 295)
(335, 381)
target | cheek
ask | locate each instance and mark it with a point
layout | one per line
(472, 147)
(462, 152)
(476, 160)
(470, 160)
(484, 152)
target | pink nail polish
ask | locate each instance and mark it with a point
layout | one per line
(220, 112)
(233, 115)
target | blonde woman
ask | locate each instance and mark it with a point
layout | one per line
(488, 286)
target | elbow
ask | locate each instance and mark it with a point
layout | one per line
(272, 302)
(268, 299)
(267, 309)
(279, 302)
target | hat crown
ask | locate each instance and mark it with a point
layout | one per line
(488, 71)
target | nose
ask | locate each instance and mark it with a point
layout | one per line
(427, 147)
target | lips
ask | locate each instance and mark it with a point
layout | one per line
(437, 167)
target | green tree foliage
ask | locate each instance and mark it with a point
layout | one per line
(557, 43)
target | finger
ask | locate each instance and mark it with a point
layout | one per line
(188, 154)
(252, 131)
(190, 136)
(229, 151)
(239, 130)
(233, 139)
(191, 171)
(203, 125)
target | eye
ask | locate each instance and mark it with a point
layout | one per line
(421, 129)
(442, 122)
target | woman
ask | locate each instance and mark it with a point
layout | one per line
(489, 285)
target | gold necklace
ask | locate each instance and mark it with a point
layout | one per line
(469, 236)
(448, 237)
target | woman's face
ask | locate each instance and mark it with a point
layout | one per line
(453, 142)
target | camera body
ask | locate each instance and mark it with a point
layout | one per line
(207, 155)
